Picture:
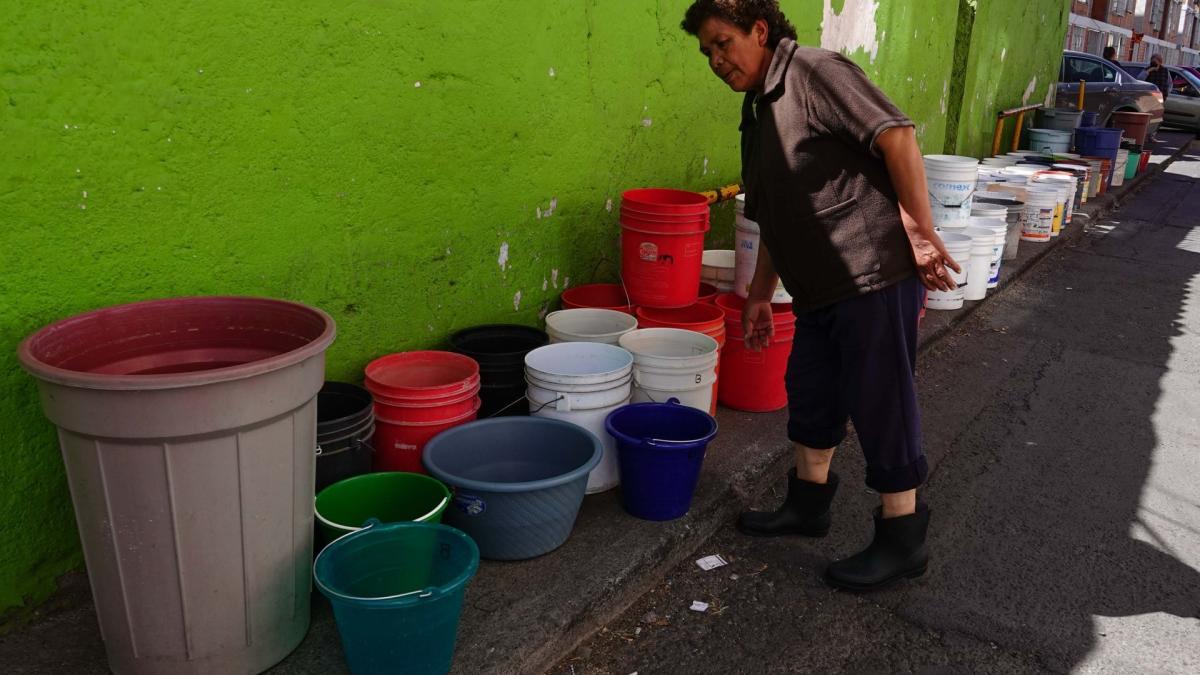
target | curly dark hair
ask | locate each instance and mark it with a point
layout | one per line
(743, 14)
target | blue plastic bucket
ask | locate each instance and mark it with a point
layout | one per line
(1089, 119)
(397, 593)
(518, 481)
(660, 447)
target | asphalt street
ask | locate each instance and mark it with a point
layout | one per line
(1061, 421)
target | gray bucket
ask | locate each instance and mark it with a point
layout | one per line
(518, 481)
(1061, 119)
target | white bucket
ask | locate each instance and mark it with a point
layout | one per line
(580, 383)
(588, 325)
(959, 248)
(1118, 178)
(1066, 186)
(1041, 202)
(1015, 217)
(1081, 175)
(718, 266)
(672, 362)
(979, 267)
(998, 225)
(951, 181)
(746, 258)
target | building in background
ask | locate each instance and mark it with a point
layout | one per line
(1137, 28)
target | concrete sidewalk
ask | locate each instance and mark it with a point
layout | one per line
(524, 616)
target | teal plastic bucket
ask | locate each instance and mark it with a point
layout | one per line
(397, 594)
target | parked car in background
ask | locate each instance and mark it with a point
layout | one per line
(1109, 89)
(1182, 107)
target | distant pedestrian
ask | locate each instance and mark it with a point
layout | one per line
(835, 180)
(1110, 53)
(1158, 75)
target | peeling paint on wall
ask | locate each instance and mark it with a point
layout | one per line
(503, 260)
(1029, 91)
(853, 29)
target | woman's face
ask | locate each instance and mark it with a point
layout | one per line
(739, 58)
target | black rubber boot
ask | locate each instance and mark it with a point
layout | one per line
(804, 512)
(897, 552)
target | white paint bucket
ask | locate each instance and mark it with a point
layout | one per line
(1067, 186)
(746, 256)
(1050, 141)
(719, 268)
(1041, 202)
(1118, 178)
(588, 325)
(998, 225)
(673, 363)
(580, 383)
(979, 266)
(1014, 216)
(951, 180)
(1082, 177)
(959, 248)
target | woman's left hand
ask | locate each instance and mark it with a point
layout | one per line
(933, 263)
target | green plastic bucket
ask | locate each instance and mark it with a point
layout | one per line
(397, 594)
(389, 497)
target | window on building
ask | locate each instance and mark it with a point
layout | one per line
(1156, 13)
(1119, 7)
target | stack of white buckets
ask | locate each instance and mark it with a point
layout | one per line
(980, 236)
(598, 361)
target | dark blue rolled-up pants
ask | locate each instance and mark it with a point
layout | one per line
(854, 360)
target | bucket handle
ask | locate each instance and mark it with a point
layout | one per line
(419, 593)
(522, 398)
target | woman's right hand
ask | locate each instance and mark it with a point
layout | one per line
(758, 324)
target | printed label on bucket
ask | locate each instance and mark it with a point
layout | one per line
(648, 251)
(470, 504)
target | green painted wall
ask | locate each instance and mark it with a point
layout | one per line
(1015, 52)
(409, 166)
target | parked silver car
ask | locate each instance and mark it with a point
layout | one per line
(1182, 107)
(1109, 89)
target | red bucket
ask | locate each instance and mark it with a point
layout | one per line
(701, 318)
(597, 296)
(1144, 161)
(398, 445)
(665, 201)
(754, 381)
(662, 268)
(422, 376)
(438, 410)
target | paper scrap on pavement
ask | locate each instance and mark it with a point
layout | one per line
(711, 562)
(698, 606)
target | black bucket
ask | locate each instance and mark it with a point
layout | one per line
(500, 351)
(345, 423)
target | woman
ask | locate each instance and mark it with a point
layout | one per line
(834, 178)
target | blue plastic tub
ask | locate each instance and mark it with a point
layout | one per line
(397, 593)
(1099, 142)
(660, 447)
(518, 481)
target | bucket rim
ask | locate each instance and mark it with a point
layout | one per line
(618, 353)
(374, 529)
(710, 345)
(39, 369)
(433, 423)
(673, 405)
(514, 329)
(378, 476)
(469, 367)
(449, 479)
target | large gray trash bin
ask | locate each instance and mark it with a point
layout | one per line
(188, 428)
